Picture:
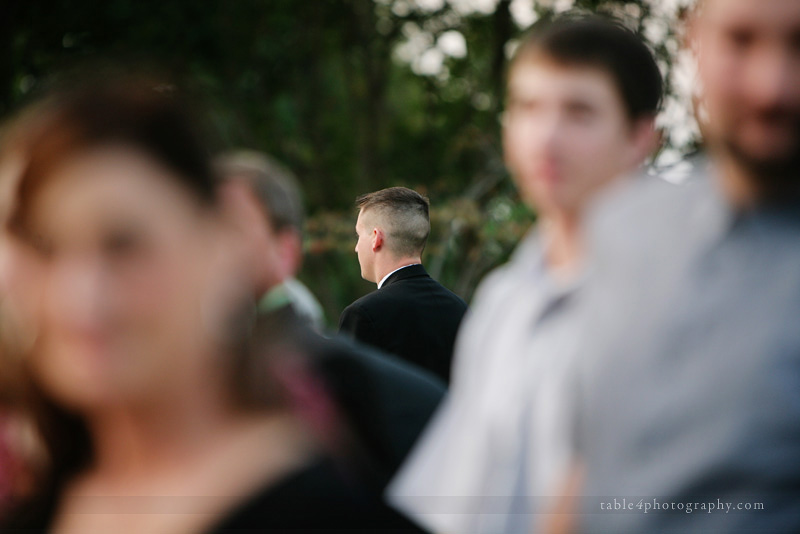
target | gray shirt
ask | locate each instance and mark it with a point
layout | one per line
(476, 467)
(688, 373)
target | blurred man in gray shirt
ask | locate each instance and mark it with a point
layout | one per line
(582, 95)
(688, 371)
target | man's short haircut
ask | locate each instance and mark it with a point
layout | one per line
(274, 185)
(404, 214)
(602, 43)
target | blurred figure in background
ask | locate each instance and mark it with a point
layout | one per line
(582, 95)
(158, 411)
(411, 314)
(277, 191)
(387, 401)
(689, 367)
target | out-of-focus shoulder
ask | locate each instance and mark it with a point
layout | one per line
(643, 207)
(496, 283)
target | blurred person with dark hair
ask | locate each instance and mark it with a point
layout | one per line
(688, 370)
(162, 408)
(582, 95)
(411, 314)
(386, 401)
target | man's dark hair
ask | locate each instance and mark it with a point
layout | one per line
(602, 43)
(274, 185)
(404, 214)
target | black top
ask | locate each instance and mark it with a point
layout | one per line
(318, 498)
(411, 315)
(386, 403)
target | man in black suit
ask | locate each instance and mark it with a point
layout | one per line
(411, 314)
(386, 402)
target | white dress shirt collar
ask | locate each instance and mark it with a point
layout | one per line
(380, 284)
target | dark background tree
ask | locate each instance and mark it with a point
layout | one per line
(353, 95)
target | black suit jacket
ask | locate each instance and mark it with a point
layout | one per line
(411, 315)
(385, 401)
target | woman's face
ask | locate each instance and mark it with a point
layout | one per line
(134, 278)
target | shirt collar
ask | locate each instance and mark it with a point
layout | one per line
(276, 297)
(530, 259)
(380, 284)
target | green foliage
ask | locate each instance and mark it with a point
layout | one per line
(319, 84)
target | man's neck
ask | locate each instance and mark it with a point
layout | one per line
(390, 268)
(749, 186)
(738, 187)
(564, 245)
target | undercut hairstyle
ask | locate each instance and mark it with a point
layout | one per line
(273, 184)
(601, 43)
(404, 214)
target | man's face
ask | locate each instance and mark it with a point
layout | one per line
(748, 55)
(566, 134)
(366, 257)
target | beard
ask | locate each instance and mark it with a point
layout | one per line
(775, 175)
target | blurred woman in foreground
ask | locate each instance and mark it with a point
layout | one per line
(157, 416)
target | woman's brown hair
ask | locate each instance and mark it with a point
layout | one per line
(150, 116)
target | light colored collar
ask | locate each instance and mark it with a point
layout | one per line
(380, 284)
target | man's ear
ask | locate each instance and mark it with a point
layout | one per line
(645, 139)
(377, 239)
